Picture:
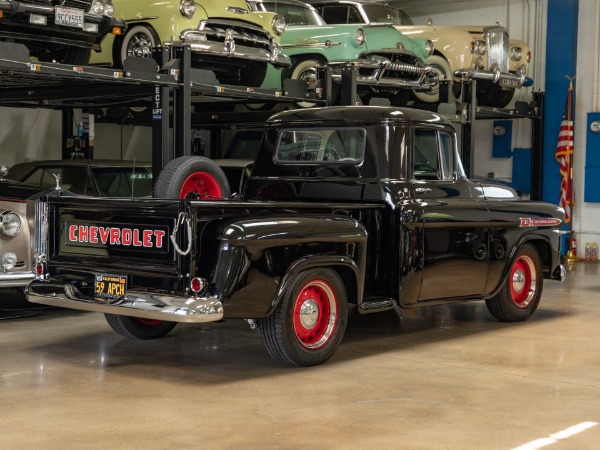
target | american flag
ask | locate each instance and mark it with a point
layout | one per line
(564, 156)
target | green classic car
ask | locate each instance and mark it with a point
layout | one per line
(389, 64)
(487, 54)
(227, 38)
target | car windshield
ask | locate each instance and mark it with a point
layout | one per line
(295, 14)
(385, 14)
(123, 181)
(111, 181)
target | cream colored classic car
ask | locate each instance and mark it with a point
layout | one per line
(499, 64)
(225, 37)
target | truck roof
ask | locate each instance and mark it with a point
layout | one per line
(357, 114)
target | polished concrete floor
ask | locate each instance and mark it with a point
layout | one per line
(447, 377)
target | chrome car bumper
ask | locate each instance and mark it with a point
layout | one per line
(13, 7)
(15, 279)
(560, 273)
(381, 69)
(224, 39)
(136, 303)
(503, 78)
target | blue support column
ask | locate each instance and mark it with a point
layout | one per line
(561, 60)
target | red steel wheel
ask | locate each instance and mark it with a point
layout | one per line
(202, 186)
(309, 322)
(523, 282)
(138, 328)
(521, 290)
(315, 314)
(193, 178)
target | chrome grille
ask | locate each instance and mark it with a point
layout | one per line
(245, 35)
(79, 4)
(497, 41)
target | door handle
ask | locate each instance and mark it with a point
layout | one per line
(422, 190)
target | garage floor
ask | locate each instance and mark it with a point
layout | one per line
(437, 378)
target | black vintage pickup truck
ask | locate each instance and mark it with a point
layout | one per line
(362, 207)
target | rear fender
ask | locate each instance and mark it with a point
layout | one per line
(257, 258)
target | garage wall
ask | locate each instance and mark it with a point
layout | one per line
(29, 134)
(586, 220)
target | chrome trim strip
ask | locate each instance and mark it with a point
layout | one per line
(325, 44)
(136, 303)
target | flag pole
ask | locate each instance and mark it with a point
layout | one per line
(572, 253)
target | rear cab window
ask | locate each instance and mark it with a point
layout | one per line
(338, 146)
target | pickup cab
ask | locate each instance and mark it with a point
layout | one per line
(364, 208)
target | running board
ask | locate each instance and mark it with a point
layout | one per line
(377, 304)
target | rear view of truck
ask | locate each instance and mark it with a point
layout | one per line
(89, 249)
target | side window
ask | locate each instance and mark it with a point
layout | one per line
(433, 157)
(353, 16)
(335, 14)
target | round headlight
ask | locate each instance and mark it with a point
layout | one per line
(478, 47)
(10, 224)
(187, 8)
(109, 8)
(516, 53)
(278, 24)
(428, 47)
(97, 7)
(360, 36)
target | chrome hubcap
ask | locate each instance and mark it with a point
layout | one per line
(518, 281)
(309, 313)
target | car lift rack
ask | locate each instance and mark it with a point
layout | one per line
(176, 96)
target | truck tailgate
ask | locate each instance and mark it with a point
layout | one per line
(92, 234)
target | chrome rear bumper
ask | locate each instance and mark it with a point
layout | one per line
(136, 303)
(507, 79)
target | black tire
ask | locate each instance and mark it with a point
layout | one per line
(491, 94)
(306, 69)
(441, 67)
(519, 297)
(192, 177)
(140, 41)
(294, 334)
(77, 56)
(136, 328)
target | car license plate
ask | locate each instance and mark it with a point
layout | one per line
(110, 287)
(507, 82)
(68, 17)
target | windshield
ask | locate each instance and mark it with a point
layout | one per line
(385, 14)
(124, 181)
(295, 14)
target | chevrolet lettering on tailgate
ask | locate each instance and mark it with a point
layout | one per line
(136, 237)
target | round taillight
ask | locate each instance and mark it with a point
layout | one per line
(196, 284)
(39, 269)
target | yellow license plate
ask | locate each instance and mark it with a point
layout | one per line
(110, 287)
